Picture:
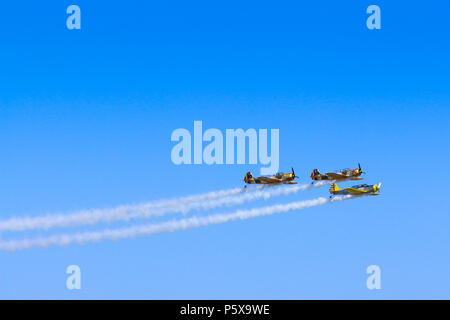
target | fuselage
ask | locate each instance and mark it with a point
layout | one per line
(279, 178)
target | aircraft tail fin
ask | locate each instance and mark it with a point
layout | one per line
(334, 188)
(315, 174)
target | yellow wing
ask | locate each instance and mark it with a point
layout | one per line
(355, 191)
(335, 175)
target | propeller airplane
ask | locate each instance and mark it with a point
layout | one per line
(358, 190)
(341, 175)
(279, 178)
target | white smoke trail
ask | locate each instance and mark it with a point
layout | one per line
(94, 216)
(125, 213)
(169, 226)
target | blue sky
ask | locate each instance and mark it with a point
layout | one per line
(86, 118)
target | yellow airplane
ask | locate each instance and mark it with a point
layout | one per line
(341, 175)
(279, 178)
(359, 190)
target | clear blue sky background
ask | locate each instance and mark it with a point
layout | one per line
(86, 118)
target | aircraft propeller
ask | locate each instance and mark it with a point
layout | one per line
(360, 170)
(293, 173)
(377, 187)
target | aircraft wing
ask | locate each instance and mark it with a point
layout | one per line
(355, 191)
(270, 179)
(335, 175)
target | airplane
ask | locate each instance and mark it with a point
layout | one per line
(341, 175)
(279, 178)
(358, 190)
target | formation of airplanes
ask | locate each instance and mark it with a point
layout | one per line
(338, 176)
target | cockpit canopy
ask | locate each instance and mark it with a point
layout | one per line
(361, 186)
